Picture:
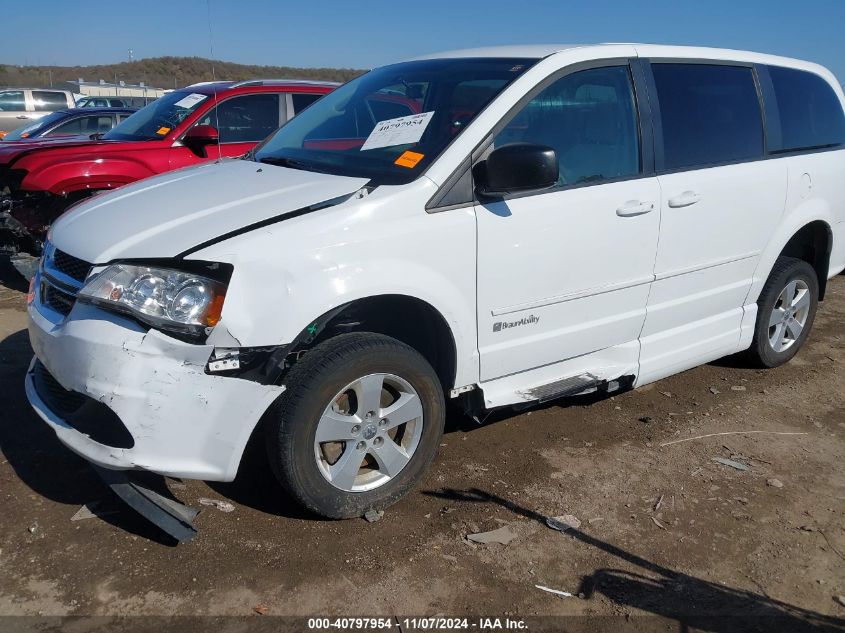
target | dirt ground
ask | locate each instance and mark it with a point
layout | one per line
(664, 530)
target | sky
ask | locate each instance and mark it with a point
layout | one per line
(369, 33)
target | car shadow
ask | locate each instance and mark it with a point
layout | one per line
(255, 485)
(11, 278)
(695, 604)
(43, 463)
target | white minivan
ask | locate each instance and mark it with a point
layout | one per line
(500, 226)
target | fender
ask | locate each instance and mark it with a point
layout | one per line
(456, 309)
(64, 175)
(811, 210)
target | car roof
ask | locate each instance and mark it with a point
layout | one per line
(539, 51)
(87, 111)
(530, 51)
(210, 87)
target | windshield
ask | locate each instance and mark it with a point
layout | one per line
(389, 124)
(157, 119)
(28, 131)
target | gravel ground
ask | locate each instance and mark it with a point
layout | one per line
(664, 529)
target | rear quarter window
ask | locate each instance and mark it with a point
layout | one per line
(809, 110)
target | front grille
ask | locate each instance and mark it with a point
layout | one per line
(57, 299)
(70, 265)
(85, 414)
(58, 398)
(63, 275)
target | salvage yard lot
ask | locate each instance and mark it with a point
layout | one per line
(664, 529)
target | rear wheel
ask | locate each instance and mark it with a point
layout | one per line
(359, 423)
(785, 312)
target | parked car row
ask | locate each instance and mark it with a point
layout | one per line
(87, 123)
(497, 227)
(20, 106)
(41, 177)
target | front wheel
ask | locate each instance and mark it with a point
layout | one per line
(785, 312)
(357, 426)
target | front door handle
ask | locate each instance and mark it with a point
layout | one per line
(685, 199)
(634, 207)
(22, 116)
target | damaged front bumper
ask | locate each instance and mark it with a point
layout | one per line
(94, 370)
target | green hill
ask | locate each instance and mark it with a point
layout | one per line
(164, 72)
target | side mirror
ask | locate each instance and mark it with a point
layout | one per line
(516, 168)
(199, 137)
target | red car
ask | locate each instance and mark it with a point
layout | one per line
(39, 180)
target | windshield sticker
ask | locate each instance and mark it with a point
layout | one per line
(401, 131)
(162, 131)
(191, 100)
(409, 159)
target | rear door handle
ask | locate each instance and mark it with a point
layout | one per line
(634, 207)
(685, 199)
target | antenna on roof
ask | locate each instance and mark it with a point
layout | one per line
(214, 78)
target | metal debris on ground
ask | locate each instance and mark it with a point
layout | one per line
(373, 515)
(92, 510)
(502, 536)
(33, 528)
(774, 483)
(658, 504)
(563, 522)
(557, 592)
(223, 506)
(658, 523)
(699, 437)
(730, 462)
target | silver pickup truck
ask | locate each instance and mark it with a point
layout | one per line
(19, 106)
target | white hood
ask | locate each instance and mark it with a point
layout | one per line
(171, 213)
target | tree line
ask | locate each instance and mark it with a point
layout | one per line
(164, 72)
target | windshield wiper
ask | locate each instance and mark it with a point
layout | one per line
(284, 162)
(292, 163)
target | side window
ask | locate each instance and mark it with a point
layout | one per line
(246, 119)
(48, 101)
(710, 114)
(302, 100)
(590, 120)
(809, 110)
(12, 101)
(70, 128)
(97, 124)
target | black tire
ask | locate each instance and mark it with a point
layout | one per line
(312, 384)
(786, 270)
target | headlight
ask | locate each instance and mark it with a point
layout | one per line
(165, 298)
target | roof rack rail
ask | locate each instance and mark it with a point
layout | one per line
(204, 83)
(276, 82)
